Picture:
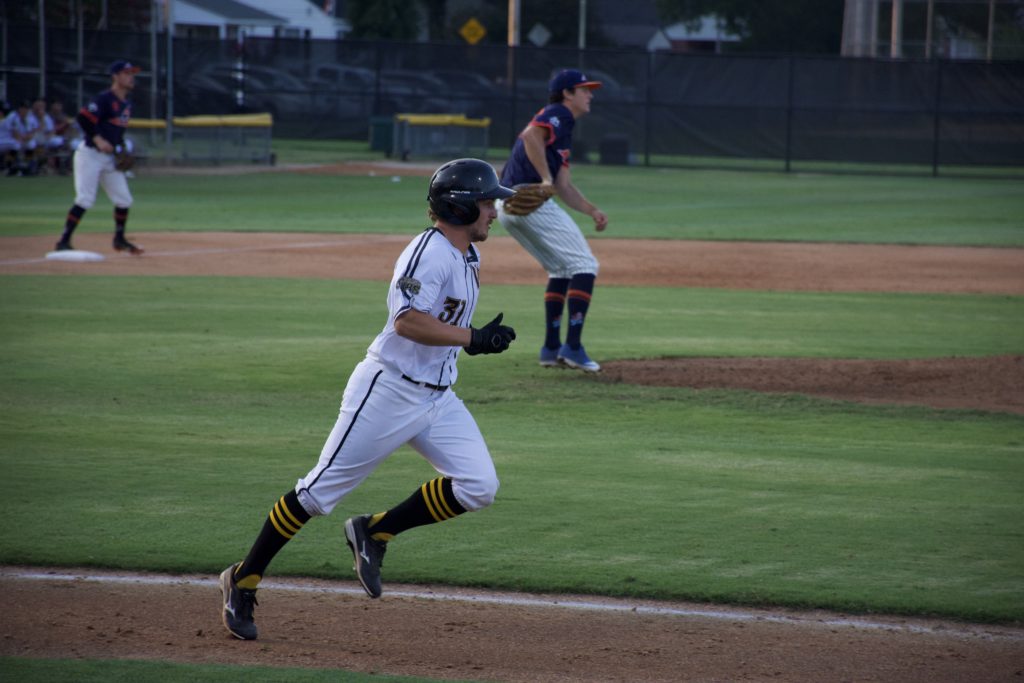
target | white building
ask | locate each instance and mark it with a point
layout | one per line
(708, 36)
(257, 18)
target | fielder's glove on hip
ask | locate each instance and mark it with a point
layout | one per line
(123, 159)
(491, 338)
(528, 198)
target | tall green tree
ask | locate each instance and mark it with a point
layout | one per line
(384, 19)
(801, 26)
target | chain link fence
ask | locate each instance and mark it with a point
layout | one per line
(656, 108)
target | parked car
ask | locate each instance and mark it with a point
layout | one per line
(404, 91)
(262, 88)
(349, 79)
(475, 94)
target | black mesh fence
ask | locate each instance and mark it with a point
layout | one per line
(655, 108)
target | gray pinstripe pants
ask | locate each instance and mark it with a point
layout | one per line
(552, 237)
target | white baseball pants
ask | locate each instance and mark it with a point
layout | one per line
(94, 168)
(380, 412)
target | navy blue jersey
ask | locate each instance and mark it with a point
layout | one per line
(107, 115)
(559, 122)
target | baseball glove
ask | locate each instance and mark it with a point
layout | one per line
(123, 160)
(527, 199)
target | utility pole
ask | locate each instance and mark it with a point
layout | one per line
(583, 25)
(513, 23)
(42, 48)
(928, 29)
(860, 28)
(991, 29)
(896, 37)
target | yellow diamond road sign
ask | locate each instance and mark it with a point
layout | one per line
(472, 31)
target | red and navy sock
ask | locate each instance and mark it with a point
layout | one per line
(554, 304)
(581, 288)
(285, 520)
(74, 216)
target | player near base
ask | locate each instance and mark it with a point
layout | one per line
(401, 393)
(539, 166)
(103, 122)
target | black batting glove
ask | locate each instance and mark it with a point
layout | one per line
(491, 338)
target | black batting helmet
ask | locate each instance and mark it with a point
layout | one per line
(456, 187)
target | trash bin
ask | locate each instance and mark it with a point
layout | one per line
(615, 150)
(381, 131)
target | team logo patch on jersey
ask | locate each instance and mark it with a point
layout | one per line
(554, 121)
(410, 286)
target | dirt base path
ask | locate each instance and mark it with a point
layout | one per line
(447, 633)
(658, 263)
(491, 637)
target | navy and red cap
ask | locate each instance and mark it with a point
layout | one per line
(570, 78)
(122, 65)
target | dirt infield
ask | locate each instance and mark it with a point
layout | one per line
(729, 265)
(446, 633)
(492, 640)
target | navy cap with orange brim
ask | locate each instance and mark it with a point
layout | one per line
(571, 78)
(122, 65)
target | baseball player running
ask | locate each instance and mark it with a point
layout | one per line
(401, 393)
(538, 169)
(104, 121)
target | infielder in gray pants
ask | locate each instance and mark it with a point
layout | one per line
(539, 164)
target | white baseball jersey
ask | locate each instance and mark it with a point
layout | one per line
(434, 277)
(401, 392)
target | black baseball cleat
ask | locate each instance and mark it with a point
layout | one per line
(63, 245)
(238, 604)
(367, 552)
(121, 244)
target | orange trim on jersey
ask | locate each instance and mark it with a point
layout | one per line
(579, 294)
(551, 130)
(88, 114)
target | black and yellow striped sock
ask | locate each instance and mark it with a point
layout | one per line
(431, 503)
(285, 520)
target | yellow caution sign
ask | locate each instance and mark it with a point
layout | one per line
(472, 31)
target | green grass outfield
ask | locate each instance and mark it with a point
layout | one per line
(149, 423)
(641, 202)
(190, 404)
(102, 671)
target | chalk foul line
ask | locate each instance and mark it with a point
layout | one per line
(608, 605)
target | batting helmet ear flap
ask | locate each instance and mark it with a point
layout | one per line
(455, 210)
(466, 211)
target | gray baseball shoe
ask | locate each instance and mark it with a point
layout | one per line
(367, 552)
(238, 606)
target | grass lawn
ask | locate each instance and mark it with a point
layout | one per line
(641, 203)
(183, 400)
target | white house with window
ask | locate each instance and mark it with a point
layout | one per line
(257, 18)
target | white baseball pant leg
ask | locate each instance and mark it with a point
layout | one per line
(94, 168)
(552, 237)
(380, 412)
